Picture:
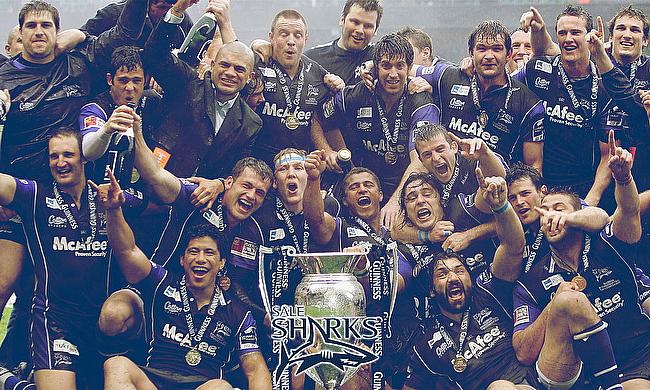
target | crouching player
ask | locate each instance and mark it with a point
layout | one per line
(193, 326)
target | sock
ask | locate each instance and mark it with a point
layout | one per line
(8, 381)
(595, 349)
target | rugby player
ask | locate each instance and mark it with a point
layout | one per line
(345, 55)
(294, 92)
(66, 235)
(575, 98)
(469, 339)
(194, 326)
(521, 50)
(489, 105)
(377, 126)
(422, 46)
(583, 271)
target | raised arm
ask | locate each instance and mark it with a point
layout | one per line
(475, 149)
(540, 40)
(133, 262)
(627, 217)
(164, 184)
(510, 252)
(221, 11)
(591, 219)
(321, 222)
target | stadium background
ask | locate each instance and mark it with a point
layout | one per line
(449, 22)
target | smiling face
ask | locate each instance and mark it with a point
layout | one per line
(288, 39)
(524, 197)
(362, 196)
(291, 180)
(422, 204)
(571, 33)
(490, 57)
(38, 35)
(357, 28)
(245, 194)
(201, 262)
(126, 86)
(628, 41)
(230, 72)
(452, 285)
(392, 74)
(65, 161)
(438, 157)
(520, 46)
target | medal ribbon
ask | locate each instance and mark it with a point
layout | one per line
(593, 100)
(92, 207)
(464, 327)
(476, 97)
(446, 190)
(222, 224)
(285, 88)
(585, 257)
(534, 249)
(279, 206)
(188, 312)
(391, 138)
(366, 228)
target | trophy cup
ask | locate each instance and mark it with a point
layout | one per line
(330, 290)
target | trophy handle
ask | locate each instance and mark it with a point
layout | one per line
(391, 252)
(262, 252)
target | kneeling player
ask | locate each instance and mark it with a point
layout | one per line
(194, 327)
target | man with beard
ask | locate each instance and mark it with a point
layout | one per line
(490, 105)
(378, 126)
(591, 271)
(469, 340)
(181, 355)
(67, 239)
(207, 116)
(452, 162)
(575, 99)
(345, 55)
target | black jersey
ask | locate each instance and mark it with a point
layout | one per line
(612, 288)
(289, 107)
(344, 63)
(380, 141)
(69, 249)
(420, 258)
(45, 97)
(514, 114)
(231, 328)
(536, 248)
(571, 149)
(487, 347)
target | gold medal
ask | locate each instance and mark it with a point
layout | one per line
(459, 363)
(483, 119)
(193, 357)
(581, 282)
(291, 122)
(135, 176)
(390, 158)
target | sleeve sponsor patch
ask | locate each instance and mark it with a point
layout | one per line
(93, 121)
(243, 248)
(538, 130)
(65, 346)
(543, 66)
(428, 69)
(248, 339)
(521, 315)
(328, 108)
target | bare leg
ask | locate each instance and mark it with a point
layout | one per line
(215, 384)
(120, 373)
(13, 255)
(55, 380)
(122, 311)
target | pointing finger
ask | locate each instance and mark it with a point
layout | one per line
(454, 138)
(612, 143)
(601, 28)
(480, 178)
(540, 211)
(93, 185)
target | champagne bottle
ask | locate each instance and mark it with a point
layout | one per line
(119, 158)
(198, 39)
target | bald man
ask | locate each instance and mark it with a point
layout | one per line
(14, 43)
(190, 142)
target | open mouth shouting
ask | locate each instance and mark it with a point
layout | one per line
(423, 214)
(442, 169)
(244, 205)
(63, 171)
(292, 188)
(570, 47)
(455, 291)
(364, 201)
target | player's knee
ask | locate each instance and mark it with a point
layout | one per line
(215, 384)
(501, 385)
(117, 364)
(571, 306)
(114, 316)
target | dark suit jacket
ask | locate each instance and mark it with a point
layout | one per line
(187, 131)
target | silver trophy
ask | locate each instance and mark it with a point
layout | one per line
(330, 290)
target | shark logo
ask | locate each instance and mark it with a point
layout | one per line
(340, 354)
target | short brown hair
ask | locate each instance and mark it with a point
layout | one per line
(358, 170)
(39, 6)
(288, 14)
(576, 10)
(418, 37)
(367, 5)
(632, 12)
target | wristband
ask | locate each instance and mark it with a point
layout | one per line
(502, 209)
(423, 236)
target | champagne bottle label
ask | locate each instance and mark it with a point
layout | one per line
(198, 39)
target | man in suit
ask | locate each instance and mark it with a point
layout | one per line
(206, 117)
